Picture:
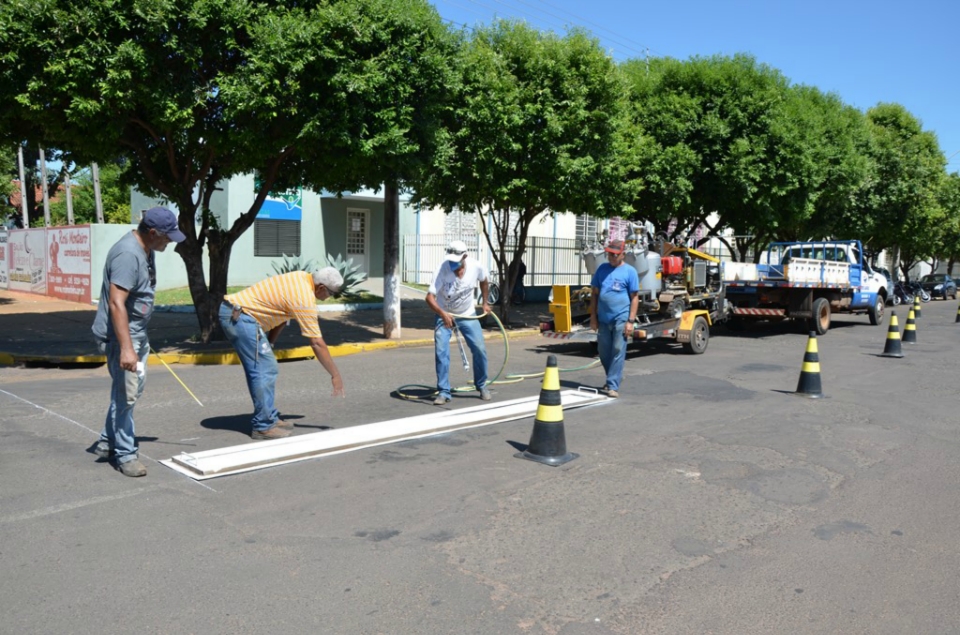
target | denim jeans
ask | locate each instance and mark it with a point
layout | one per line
(471, 331)
(125, 389)
(612, 346)
(259, 364)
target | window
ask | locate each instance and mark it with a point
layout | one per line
(276, 237)
(587, 229)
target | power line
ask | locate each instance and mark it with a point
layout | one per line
(553, 22)
(617, 38)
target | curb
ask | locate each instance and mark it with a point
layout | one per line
(229, 357)
(343, 307)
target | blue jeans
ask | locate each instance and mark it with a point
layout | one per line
(125, 389)
(470, 331)
(612, 346)
(259, 364)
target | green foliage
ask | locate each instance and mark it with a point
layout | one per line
(326, 94)
(114, 194)
(293, 263)
(352, 276)
(533, 127)
(720, 140)
(900, 203)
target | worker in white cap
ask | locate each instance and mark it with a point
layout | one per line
(451, 294)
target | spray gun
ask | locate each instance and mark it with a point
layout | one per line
(463, 353)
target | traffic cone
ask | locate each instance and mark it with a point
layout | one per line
(547, 443)
(910, 329)
(917, 313)
(958, 314)
(809, 384)
(893, 348)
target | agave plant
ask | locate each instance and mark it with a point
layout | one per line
(352, 276)
(293, 263)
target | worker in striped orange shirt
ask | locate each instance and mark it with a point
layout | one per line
(252, 320)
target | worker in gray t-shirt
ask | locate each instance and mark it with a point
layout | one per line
(120, 327)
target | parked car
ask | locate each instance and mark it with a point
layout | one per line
(889, 284)
(939, 285)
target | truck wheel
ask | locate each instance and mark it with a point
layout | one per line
(820, 322)
(876, 313)
(699, 336)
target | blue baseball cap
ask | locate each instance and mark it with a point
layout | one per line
(165, 222)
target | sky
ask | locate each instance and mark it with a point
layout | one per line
(867, 52)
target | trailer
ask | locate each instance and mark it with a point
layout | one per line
(681, 295)
(805, 280)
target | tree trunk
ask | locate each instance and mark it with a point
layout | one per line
(391, 258)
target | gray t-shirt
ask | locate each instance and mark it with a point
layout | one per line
(129, 267)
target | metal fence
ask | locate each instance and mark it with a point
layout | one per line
(549, 261)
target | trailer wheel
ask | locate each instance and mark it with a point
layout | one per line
(876, 312)
(820, 322)
(699, 336)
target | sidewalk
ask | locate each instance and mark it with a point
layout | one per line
(40, 330)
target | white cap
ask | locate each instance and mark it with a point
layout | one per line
(456, 250)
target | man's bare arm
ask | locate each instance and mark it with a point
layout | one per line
(323, 356)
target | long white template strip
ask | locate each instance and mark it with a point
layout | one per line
(254, 456)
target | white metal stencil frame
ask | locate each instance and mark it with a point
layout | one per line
(255, 456)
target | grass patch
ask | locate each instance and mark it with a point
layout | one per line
(418, 286)
(181, 296)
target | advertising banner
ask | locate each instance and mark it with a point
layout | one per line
(68, 263)
(28, 260)
(4, 264)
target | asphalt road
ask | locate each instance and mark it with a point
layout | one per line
(708, 499)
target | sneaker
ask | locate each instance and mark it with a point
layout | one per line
(441, 400)
(485, 394)
(103, 450)
(276, 432)
(132, 468)
(284, 424)
(610, 392)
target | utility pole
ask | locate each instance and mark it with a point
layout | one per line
(66, 185)
(43, 187)
(23, 188)
(95, 169)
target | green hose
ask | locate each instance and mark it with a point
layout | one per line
(507, 379)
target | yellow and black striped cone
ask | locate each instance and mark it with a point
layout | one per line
(893, 348)
(958, 314)
(809, 384)
(917, 313)
(548, 445)
(910, 329)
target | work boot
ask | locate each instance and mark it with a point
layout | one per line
(275, 432)
(612, 393)
(132, 468)
(284, 424)
(485, 394)
(103, 450)
(441, 400)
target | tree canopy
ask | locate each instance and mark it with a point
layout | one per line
(533, 127)
(326, 94)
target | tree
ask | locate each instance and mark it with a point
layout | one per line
(193, 92)
(950, 202)
(720, 144)
(900, 203)
(114, 195)
(534, 129)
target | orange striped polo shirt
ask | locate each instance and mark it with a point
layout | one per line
(280, 298)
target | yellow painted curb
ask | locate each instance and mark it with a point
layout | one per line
(226, 357)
